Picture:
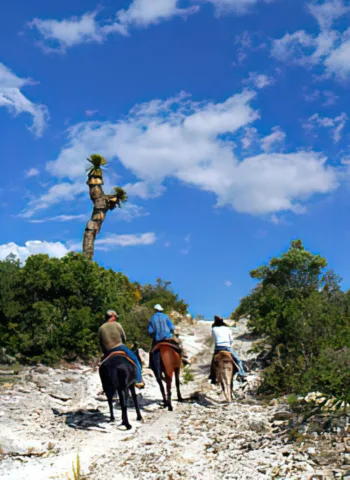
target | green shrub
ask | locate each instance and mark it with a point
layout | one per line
(51, 309)
(304, 319)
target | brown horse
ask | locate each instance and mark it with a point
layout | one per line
(170, 364)
(225, 369)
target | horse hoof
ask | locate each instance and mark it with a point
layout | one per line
(170, 409)
(181, 400)
(124, 427)
(139, 419)
(111, 420)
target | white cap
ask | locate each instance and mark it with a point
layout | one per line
(111, 313)
(158, 307)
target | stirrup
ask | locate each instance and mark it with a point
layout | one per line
(140, 385)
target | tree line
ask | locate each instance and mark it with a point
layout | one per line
(51, 309)
(303, 318)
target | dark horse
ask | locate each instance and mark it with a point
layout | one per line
(167, 364)
(118, 375)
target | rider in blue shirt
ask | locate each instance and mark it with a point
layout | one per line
(160, 326)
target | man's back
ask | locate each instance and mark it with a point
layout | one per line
(111, 335)
(160, 327)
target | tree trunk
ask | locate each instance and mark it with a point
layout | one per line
(102, 203)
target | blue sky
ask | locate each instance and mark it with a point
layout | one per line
(225, 120)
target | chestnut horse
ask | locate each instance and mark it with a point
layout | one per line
(170, 364)
(225, 370)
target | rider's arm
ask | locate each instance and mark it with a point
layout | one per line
(122, 333)
(150, 328)
(170, 324)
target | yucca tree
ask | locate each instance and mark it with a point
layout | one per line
(101, 202)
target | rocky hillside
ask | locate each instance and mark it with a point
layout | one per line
(48, 415)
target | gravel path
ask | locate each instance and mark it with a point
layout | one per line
(50, 415)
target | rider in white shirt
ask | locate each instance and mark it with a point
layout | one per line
(223, 337)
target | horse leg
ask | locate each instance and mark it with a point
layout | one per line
(125, 420)
(227, 382)
(136, 402)
(110, 404)
(126, 393)
(168, 388)
(177, 381)
(162, 391)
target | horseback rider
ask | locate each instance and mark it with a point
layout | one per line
(112, 338)
(161, 328)
(223, 338)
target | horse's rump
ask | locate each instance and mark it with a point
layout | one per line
(167, 343)
(225, 357)
(117, 370)
(121, 354)
(165, 359)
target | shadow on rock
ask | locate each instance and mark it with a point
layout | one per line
(83, 419)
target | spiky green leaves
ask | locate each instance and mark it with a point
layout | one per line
(121, 195)
(117, 198)
(97, 162)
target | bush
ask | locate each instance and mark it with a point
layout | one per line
(164, 295)
(304, 318)
(51, 309)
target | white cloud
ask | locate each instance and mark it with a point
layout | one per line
(292, 46)
(195, 144)
(13, 99)
(60, 218)
(58, 193)
(129, 211)
(276, 137)
(249, 138)
(53, 249)
(128, 240)
(145, 13)
(32, 172)
(329, 48)
(143, 190)
(336, 124)
(58, 35)
(236, 6)
(91, 113)
(328, 11)
(228, 283)
(259, 81)
(331, 98)
(338, 62)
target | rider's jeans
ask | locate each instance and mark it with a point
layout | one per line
(133, 357)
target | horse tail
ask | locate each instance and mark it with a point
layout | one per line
(225, 370)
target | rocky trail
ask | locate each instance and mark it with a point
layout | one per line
(49, 415)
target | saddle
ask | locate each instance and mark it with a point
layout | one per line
(165, 343)
(121, 354)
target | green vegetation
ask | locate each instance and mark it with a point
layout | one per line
(51, 309)
(187, 375)
(304, 318)
(77, 475)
